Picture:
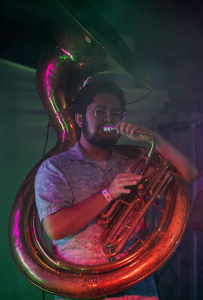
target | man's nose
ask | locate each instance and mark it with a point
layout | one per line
(108, 116)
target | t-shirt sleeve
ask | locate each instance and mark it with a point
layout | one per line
(52, 190)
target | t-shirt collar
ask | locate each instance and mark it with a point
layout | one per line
(77, 153)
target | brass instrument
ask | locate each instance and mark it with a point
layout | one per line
(72, 57)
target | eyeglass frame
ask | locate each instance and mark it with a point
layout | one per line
(108, 111)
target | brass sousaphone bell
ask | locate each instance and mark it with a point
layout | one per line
(73, 56)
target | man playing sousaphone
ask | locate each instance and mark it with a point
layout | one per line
(73, 188)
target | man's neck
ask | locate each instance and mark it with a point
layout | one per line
(97, 154)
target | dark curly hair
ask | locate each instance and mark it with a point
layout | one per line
(86, 94)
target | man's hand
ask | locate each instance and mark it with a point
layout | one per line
(183, 164)
(117, 187)
(130, 129)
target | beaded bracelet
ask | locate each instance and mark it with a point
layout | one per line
(106, 195)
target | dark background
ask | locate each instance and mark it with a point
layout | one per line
(167, 37)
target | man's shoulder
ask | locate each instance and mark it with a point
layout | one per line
(58, 163)
(72, 153)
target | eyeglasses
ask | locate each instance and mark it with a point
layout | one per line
(103, 113)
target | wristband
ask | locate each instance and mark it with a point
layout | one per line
(106, 195)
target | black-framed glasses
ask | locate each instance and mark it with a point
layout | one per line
(102, 113)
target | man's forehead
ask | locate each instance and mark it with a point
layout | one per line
(106, 99)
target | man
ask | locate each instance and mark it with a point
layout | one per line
(74, 187)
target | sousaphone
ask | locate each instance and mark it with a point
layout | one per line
(74, 55)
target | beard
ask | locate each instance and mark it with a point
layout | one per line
(97, 141)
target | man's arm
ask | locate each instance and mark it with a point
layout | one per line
(71, 220)
(184, 165)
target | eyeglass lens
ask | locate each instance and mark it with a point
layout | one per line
(102, 113)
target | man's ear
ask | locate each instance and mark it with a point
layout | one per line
(78, 119)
